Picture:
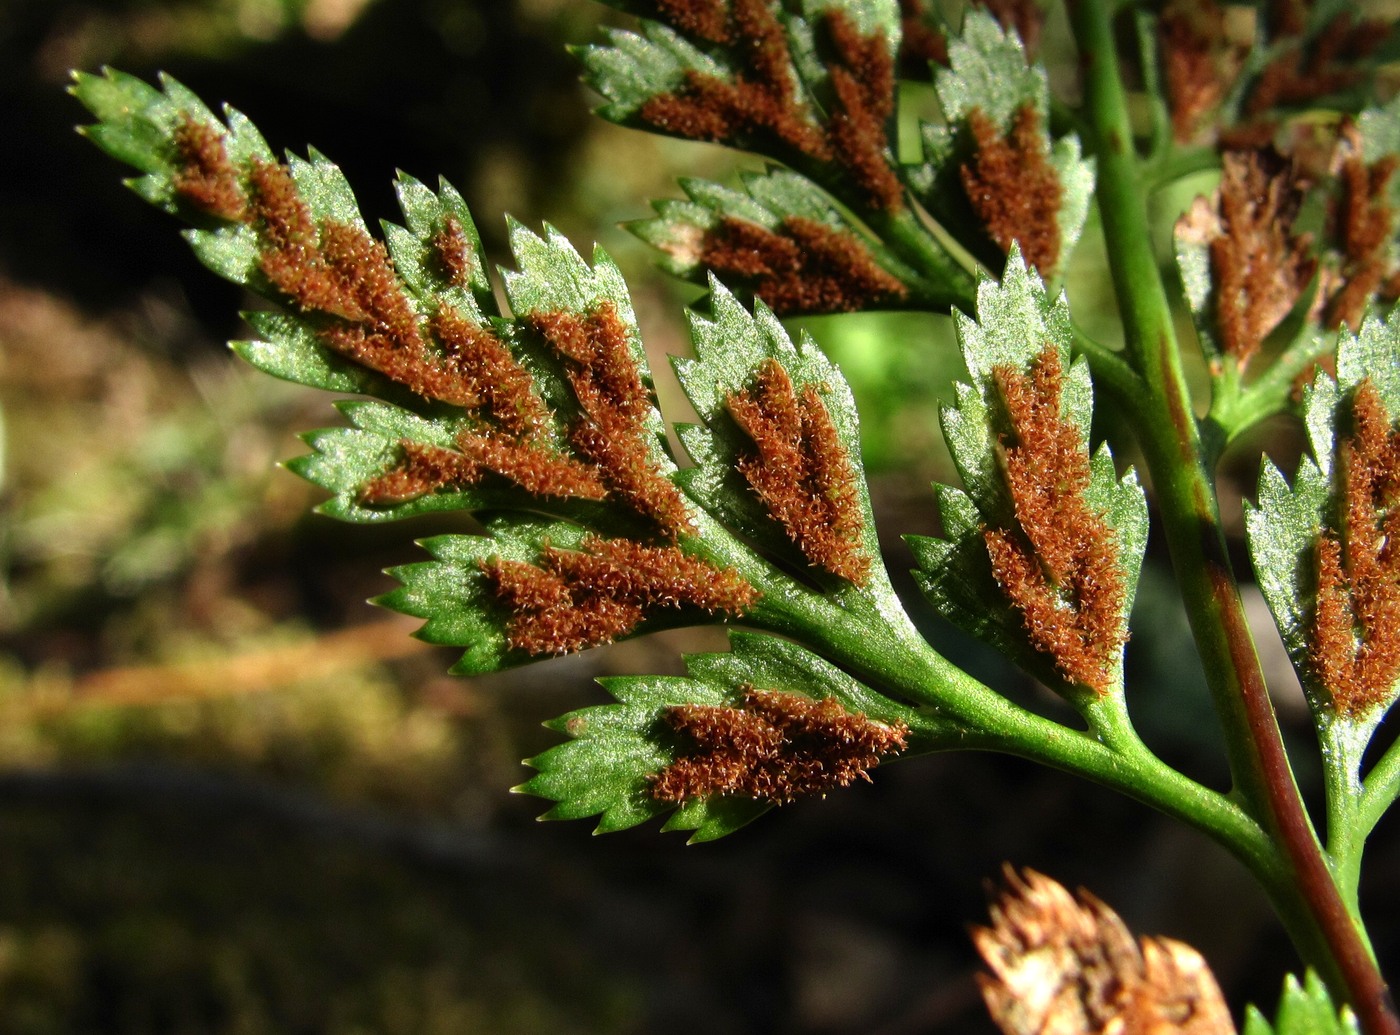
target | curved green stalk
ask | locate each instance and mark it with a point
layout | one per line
(1380, 789)
(1171, 441)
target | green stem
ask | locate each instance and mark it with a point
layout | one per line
(1346, 835)
(1108, 368)
(1171, 443)
(1381, 788)
(1236, 411)
(906, 236)
(888, 652)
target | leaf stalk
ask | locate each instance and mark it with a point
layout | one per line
(1171, 441)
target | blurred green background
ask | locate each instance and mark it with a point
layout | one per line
(235, 799)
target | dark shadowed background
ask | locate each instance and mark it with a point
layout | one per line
(235, 799)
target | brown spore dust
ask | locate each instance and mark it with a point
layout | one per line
(774, 747)
(801, 472)
(1259, 266)
(761, 105)
(1059, 568)
(454, 252)
(1354, 648)
(803, 266)
(1364, 226)
(423, 468)
(1013, 188)
(862, 79)
(611, 431)
(573, 599)
(206, 177)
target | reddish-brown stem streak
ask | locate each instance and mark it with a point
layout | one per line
(1370, 996)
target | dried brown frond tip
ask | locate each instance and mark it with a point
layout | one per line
(775, 747)
(1013, 188)
(1066, 964)
(1355, 642)
(1259, 266)
(1060, 566)
(575, 599)
(611, 431)
(804, 266)
(801, 471)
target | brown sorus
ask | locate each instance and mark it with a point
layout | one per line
(583, 598)
(802, 266)
(1259, 266)
(206, 178)
(1013, 188)
(774, 747)
(422, 469)
(1354, 648)
(611, 431)
(801, 472)
(1059, 568)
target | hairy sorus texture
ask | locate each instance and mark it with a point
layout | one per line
(454, 252)
(344, 281)
(206, 178)
(760, 107)
(775, 747)
(862, 78)
(1258, 265)
(1355, 643)
(803, 266)
(801, 472)
(611, 430)
(1066, 964)
(1013, 188)
(703, 19)
(1060, 568)
(423, 468)
(575, 599)
(1364, 227)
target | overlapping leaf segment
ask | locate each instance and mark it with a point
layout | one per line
(812, 84)
(994, 175)
(1327, 553)
(1243, 75)
(1043, 546)
(1297, 241)
(545, 419)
